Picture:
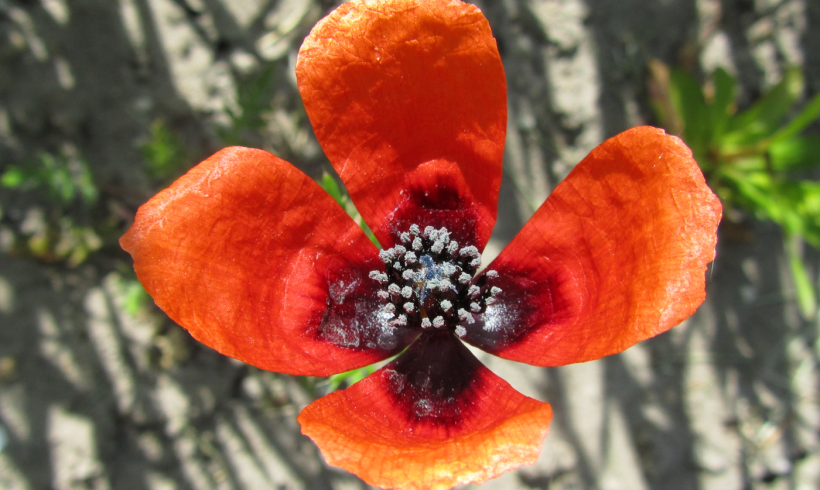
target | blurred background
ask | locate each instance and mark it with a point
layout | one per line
(104, 102)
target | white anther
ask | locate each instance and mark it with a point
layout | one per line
(494, 290)
(378, 276)
(427, 231)
(469, 251)
(414, 229)
(389, 308)
(446, 305)
(490, 301)
(409, 307)
(461, 331)
(425, 323)
(465, 278)
(465, 316)
(394, 288)
(407, 292)
(452, 247)
(408, 275)
(410, 258)
(397, 266)
(400, 320)
(433, 235)
(382, 294)
(474, 291)
(444, 284)
(398, 250)
(432, 284)
(476, 262)
(405, 237)
(417, 245)
(447, 269)
(491, 274)
(386, 255)
(438, 246)
(438, 321)
(475, 307)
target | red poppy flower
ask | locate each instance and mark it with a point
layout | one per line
(408, 99)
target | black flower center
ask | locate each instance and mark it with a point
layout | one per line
(430, 282)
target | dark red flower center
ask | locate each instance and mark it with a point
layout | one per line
(430, 282)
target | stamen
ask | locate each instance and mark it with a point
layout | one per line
(464, 316)
(428, 274)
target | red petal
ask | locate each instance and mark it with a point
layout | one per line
(258, 262)
(434, 418)
(616, 255)
(404, 95)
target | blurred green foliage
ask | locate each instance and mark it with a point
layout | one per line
(51, 232)
(756, 160)
(163, 151)
(66, 180)
(254, 93)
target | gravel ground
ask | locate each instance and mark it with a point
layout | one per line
(95, 394)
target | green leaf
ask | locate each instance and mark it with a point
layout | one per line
(13, 177)
(329, 184)
(689, 102)
(806, 295)
(795, 153)
(764, 117)
(725, 87)
(806, 117)
(349, 377)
